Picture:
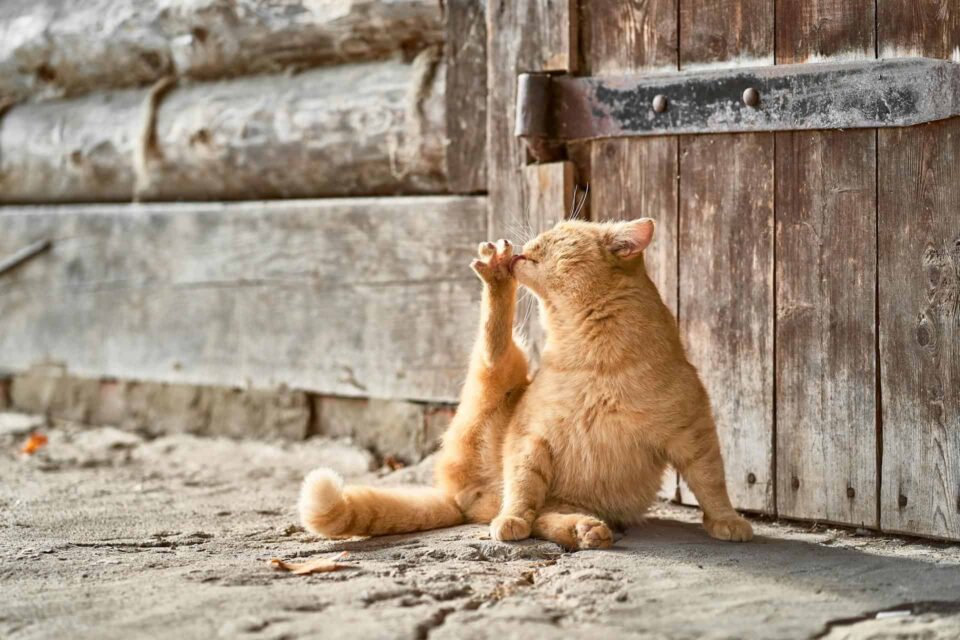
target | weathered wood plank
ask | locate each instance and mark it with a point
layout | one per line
(726, 299)
(826, 278)
(826, 331)
(726, 32)
(638, 177)
(726, 254)
(815, 29)
(522, 35)
(465, 55)
(919, 293)
(919, 250)
(56, 48)
(911, 28)
(373, 129)
(632, 36)
(359, 297)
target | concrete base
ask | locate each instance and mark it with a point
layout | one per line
(107, 535)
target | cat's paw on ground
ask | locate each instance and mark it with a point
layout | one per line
(732, 528)
(593, 534)
(506, 528)
(493, 265)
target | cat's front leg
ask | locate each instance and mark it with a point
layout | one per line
(498, 304)
(528, 470)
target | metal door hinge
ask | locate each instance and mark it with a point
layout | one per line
(879, 93)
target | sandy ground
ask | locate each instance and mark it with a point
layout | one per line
(106, 535)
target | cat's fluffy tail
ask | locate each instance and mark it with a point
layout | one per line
(332, 510)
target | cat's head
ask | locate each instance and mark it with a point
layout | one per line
(576, 260)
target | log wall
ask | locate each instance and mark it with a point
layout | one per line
(374, 128)
(56, 48)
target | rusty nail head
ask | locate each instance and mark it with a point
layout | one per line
(851, 492)
(751, 479)
(660, 103)
(751, 97)
(902, 501)
(795, 483)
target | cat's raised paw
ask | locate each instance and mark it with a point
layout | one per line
(506, 528)
(493, 265)
(593, 534)
(732, 528)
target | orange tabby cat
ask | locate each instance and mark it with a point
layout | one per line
(581, 446)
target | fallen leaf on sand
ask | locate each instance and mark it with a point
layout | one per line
(34, 442)
(317, 565)
(393, 462)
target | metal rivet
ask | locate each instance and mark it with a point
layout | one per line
(660, 103)
(851, 492)
(751, 479)
(751, 97)
(902, 501)
(795, 483)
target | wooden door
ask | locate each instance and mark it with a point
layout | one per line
(815, 274)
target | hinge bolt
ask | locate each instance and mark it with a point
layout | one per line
(659, 103)
(751, 97)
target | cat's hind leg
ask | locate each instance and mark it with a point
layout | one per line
(572, 529)
(695, 453)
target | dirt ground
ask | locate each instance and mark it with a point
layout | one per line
(105, 534)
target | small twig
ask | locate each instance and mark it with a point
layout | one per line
(21, 256)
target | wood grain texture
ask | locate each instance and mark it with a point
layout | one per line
(924, 28)
(920, 329)
(826, 281)
(522, 35)
(374, 128)
(726, 254)
(359, 297)
(919, 293)
(826, 327)
(57, 48)
(631, 36)
(726, 32)
(726, 299)
(816, 29)
(465, 55)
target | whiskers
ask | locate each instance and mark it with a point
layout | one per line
(576, 208)
(520, 229)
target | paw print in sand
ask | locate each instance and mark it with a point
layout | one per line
(493, 265)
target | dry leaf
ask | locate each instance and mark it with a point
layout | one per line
(393, 462)
(317, 565)
(34, 442)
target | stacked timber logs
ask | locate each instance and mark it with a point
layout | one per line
(57, 48)
(221, 100)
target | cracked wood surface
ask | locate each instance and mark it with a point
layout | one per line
(919, 294)
(359, 297)
(99, 522)
(826, 384)
(366, 129)
(57, 48)
(726, 253)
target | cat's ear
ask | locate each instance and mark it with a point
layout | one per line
(629, 239)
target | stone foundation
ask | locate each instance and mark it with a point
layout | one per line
(406, 431)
